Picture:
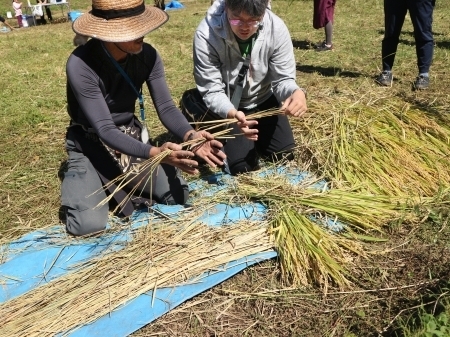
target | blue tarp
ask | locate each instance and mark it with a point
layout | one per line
(174, 5)
(42, 256)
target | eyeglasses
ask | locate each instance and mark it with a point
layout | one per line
(240, 23)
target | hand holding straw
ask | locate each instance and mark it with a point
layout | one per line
(202, 145)
(228, 121)
(295, 105)
(207, 147)
(172, 154)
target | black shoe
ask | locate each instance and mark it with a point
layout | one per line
(421, 82)
(384, 79)
(324, 47)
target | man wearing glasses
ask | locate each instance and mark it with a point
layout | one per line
(243, 63)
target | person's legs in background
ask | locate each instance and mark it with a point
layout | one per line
(394, 17)
(324, 17)
(48, 12)
(421, 12)
(329, 34)
(19, 20)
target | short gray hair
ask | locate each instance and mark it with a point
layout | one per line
(253, 8)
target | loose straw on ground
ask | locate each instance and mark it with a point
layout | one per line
(166, 255)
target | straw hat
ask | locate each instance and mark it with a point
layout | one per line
(119, 20)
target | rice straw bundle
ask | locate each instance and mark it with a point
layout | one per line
(149, 165)
(360, 210)
(396, 150)
(209, 125)
(309, 252)
(164, 255)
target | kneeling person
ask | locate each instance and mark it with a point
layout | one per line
(105, 138)
(244, 62)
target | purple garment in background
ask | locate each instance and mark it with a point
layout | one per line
(323, 12)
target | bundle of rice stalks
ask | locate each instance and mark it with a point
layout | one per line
(164, 255)
(149, 165)
(302, 218)
(395, 150)
(209, 125)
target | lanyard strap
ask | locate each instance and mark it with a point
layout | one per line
(237, 94)
(128, 79)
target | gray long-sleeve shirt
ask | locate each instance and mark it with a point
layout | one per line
(98, 96)
(217, 61)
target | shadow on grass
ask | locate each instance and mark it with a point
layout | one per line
(439, 44)
(442, 44)
(304, 44)
(410, 33)
(328, 71)
(407, 42)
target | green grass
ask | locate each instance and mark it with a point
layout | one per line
(33, 121)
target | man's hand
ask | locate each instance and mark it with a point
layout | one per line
(178, 157)
(245, 125)
(295, 105)
(210, 151)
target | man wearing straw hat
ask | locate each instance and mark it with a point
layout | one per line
(105, 139)
(243, 63)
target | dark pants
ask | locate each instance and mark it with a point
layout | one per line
(19, 20)
(275, 141)
(82, 189)
(421, 13)
(42, 20)
(49, 13)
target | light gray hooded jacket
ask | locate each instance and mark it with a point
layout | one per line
(217, 61)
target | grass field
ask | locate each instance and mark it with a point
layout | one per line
(402, 290)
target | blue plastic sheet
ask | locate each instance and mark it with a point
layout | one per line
(42, 256)
(174, 5)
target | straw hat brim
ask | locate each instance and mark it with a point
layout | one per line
(120, 29)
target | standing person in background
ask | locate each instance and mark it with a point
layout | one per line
(244, 62)
(324, 18)
(2, 20)
(421, 13)
(18, 12)
(47, 11)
